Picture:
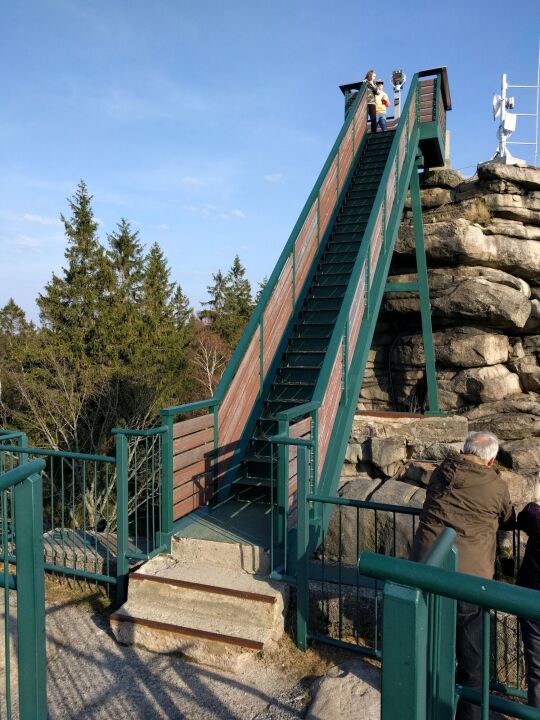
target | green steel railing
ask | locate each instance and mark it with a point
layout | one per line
(418, 652)
(400, 166)
(21, 508)
(336, 605)
(100, 513)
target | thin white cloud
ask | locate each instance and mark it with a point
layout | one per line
(40, 219)
(192, 180)
(163, 226)
(25, 241)
(274, 177)
(212, 211)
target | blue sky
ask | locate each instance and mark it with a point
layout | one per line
(205, 124)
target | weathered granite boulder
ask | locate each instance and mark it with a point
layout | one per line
(486, 384)
(459, 242)
(512, 229)
(521, 455)
(461, 347)
(475, 295)
(342, 529)
(387, 454)
(528, 371)
(524, 208)
(511, 419)
(528, 177)
(351, 691)
(441, 178)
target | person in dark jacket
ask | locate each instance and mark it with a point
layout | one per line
(528, 520)
(466, 494)
(371, 91)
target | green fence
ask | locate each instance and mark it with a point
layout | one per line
(100, 513)
(23, 606)
(418, 653)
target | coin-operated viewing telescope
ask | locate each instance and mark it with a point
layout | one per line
(398, 81)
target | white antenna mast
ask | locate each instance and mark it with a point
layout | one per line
(501, 104)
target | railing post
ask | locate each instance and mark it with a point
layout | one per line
(423, 291)
(166, 519)
(302, 556)
(28, 496)
(282, 495)
(405, 624)
(122, 563)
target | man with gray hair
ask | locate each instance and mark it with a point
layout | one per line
(466, 494)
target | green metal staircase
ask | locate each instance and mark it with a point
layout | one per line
(295, 376)
(299, 369)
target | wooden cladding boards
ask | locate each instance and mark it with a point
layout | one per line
(193, 464)
(345, 156)
(241, 395)
(328, 196)
(277, 314)
(376, 240)
(329, 408)
(306, 247)
(356, 313)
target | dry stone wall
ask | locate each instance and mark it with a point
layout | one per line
(483, 250)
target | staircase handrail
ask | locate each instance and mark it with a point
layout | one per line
(258, 312)
(339, 328)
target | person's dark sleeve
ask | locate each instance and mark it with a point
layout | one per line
(528, 520)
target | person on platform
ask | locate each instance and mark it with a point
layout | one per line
(528, 521)
(466, 494)
(371, 93)
(381, 103)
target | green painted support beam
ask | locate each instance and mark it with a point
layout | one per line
(403, 693)
(423, 289)
(32, 676)
(122, 563)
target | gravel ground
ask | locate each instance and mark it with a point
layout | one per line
(90, 676)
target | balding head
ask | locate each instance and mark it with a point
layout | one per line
(482, 444)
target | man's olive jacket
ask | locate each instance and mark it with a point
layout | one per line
(466, 495)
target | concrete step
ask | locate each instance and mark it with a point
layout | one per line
(250, 599)
(208, 607)
(209, 553)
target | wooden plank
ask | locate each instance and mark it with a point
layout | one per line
(190, 457)
(186, 427)
(356, 312)
(188, 442)
(199, 490)
(192, 472)
(327, 197)
(329, 408)
(190, 632)
(235, 399)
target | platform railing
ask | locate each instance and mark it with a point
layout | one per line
(101, 513)
(418, 607)
(21, 512)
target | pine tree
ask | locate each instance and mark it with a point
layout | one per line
(74, 307)
(218, 295)
(262, 285)
(126, 257)
(182, 311)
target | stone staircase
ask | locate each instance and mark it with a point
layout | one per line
(210, 601)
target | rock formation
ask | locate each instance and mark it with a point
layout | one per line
(482, 240)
